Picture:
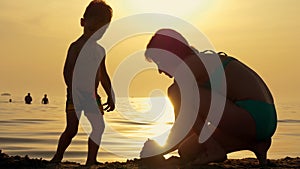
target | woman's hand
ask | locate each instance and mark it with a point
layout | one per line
(151, 148)
(151, 154)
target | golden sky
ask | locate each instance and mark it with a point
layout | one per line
(35, 36)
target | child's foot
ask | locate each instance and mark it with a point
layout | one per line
(89, 163)
(55, 159)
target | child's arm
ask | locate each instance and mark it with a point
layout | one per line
(106, 84)
(68, 72)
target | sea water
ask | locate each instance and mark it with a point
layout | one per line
(34, 129)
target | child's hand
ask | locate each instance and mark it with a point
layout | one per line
(110, 105)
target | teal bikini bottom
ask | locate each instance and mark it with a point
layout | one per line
(264, 115)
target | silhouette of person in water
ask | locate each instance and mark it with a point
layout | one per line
(45, 100)
(28, 99)
(97, 15)
(249, 118)
(10, 100)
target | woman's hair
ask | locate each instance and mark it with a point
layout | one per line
(171, 41)
(99, 10)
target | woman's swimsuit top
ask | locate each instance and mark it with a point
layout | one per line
(216, 75)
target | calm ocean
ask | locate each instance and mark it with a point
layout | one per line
(34, 129)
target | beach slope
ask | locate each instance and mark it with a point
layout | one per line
(12, 162)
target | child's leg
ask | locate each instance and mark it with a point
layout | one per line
(67, 135)
(97, 124)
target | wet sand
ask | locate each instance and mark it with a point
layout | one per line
(13, 162)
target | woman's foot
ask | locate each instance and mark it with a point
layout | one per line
(205, 158)
(214, 152)
(260, 149)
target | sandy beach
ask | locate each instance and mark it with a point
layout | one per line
(12, 162)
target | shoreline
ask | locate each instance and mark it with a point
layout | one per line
(10, 162)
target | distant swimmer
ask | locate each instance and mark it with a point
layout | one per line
(45, 100)
(28, 99)
(10, 100)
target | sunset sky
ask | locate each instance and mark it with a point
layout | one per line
(35, 36)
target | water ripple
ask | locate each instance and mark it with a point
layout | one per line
(288, 121)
